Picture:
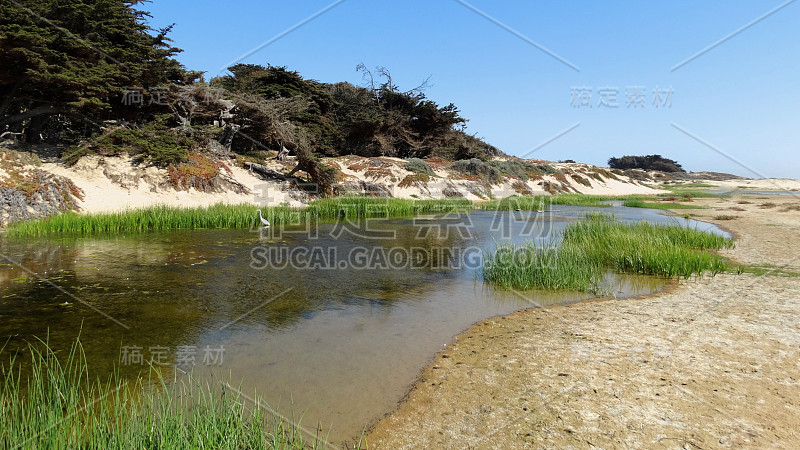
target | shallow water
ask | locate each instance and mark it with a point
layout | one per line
(332, 323)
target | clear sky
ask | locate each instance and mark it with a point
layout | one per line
(525, 72)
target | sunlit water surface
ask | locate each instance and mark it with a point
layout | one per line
(330, 324)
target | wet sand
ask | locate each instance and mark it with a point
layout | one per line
(712, 362)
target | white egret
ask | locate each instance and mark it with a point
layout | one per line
(264, 221)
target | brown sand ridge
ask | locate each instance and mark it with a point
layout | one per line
(711, 363)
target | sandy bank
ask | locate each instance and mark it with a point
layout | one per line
(711, 363)
(117, 183)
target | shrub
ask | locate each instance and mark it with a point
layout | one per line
(199, 172)
(581, 180)
(475, 166)
(414, 180)
(546, 169)
(417, 165)
(517, 169)
(521, 188)
(152, 144)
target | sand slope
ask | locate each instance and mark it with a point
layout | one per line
(117, 183)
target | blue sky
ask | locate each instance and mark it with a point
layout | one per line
(740, 98)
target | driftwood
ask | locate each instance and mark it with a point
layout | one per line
(11, 135)
(282, 154)
(264, 171)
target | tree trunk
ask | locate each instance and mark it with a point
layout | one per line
(33, 132)
(258, 168)
(283, 153)
(44, 110)
(296, 168)
(227, 136)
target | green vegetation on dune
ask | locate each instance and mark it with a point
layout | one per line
(159, 218)
(59, 406)
(599, 243)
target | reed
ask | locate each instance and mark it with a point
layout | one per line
(58, 406)
(537, 202)
(599, 242)
(552, 268)
(639, 203)
(161, 217)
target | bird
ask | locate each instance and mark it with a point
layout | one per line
(264, 221)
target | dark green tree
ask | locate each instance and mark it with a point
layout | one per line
(75, 59)
(648, 162)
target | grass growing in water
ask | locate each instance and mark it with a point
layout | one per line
(58, 406)
(552, 268)
(600, 242)
(639, 203)
(157, 218)
(536, 202)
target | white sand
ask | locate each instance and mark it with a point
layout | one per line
(116, 183)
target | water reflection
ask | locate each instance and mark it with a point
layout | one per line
(339, 342)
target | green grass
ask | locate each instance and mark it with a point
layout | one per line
(58, 406)
(599, 243)
(691, 192)
(535, 202)
(565, 268)
(689, 185)
(638, 203)
(158, 218)
(764, 269)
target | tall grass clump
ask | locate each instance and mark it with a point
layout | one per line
(161, 217)
(598, 243)
(59, 406)
(350, 207)
(646, 248)
(536, 202)
(639, 203)
(531, 267)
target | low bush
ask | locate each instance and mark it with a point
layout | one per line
(417, 165)
(477, 167)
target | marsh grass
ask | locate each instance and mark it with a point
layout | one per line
(551, 268)
(690, 192)
(159, 218)
(600, 242)
(59, 406)
(689, 185)
(639, 203)
(536, 202)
